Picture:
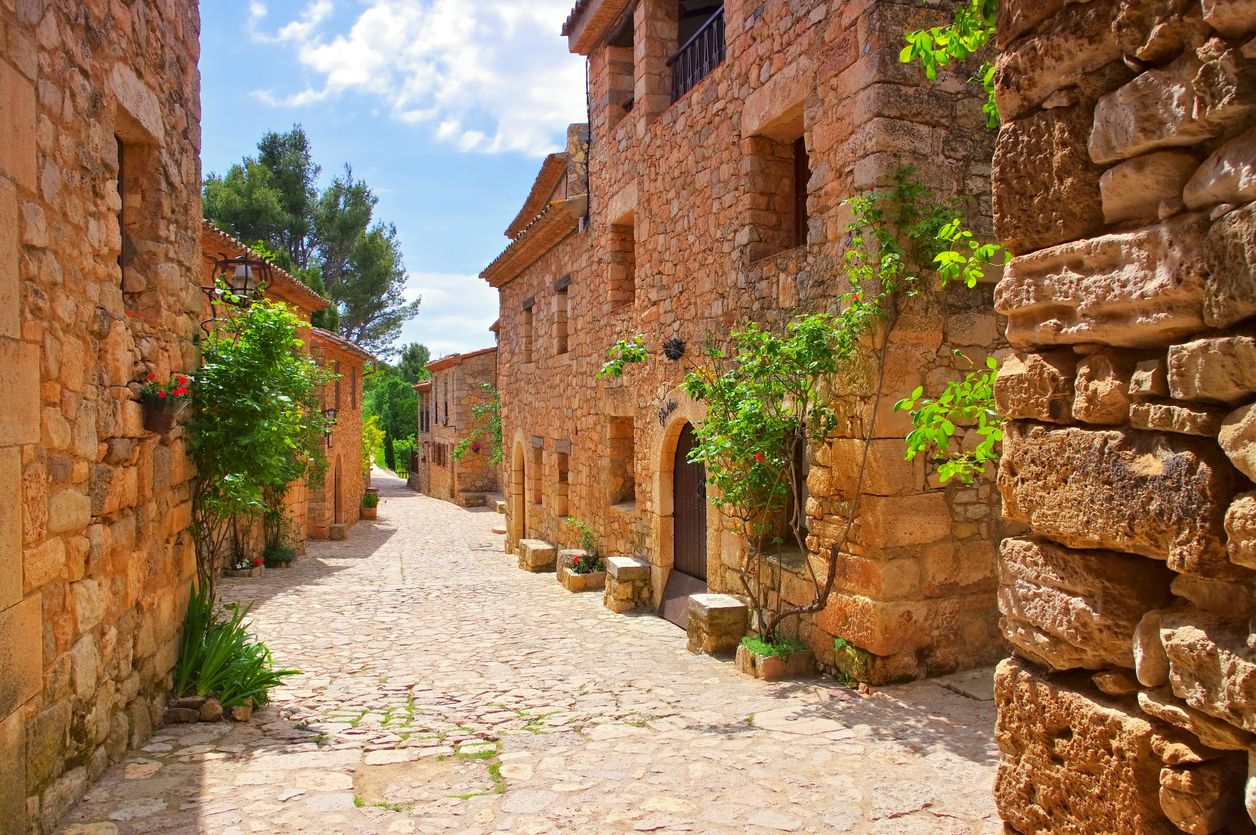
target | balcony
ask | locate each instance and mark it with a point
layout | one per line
(698, 56)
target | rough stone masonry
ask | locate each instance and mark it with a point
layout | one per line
(1124, 177)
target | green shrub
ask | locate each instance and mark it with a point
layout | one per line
(278, 555)
(218, 658)
(781, 648)
(404, 449)
(370, 500)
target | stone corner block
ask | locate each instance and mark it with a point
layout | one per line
(717, 623)
(537, 556)
(627, 568)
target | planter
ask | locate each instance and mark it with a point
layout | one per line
(255, 571)
(582, 582)
(370, 512)
(772, 668)
(161, 416)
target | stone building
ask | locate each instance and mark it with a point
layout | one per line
(336, 504)
(705, 193)
(1130, 704)
(100, 262)
(459, 383)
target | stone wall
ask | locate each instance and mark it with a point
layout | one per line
(338, 501)
(457, 389)
(1124, 181)
(98, 287)
(689, 235)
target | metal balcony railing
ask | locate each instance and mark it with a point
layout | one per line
(698, 56)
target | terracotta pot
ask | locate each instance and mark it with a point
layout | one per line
(160, 416)
(370, 512)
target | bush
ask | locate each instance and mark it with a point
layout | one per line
(781, 648)
(218, 658)
(370, 500)
(278, 555)
(404, 449)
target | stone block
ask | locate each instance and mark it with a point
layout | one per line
(69, 510)
(1066, 609)
(1073, 760)
(1176, 417)
(10, 527)
(17, 127)
(21, 656)
(889, 628)
(10, 284)
(1163, 705)
(1150, 379)
(573, 582)
(1204, 798)
(1153, 31)
(1037, 386)
(1136, 188)
(1227, 176)
(13, 769)
(717, 623)
(892, 521)
(1162, 496)
(1249, 794)
(1238, 439)
(1101, 389)
(1131, 289)
(1234, 599)
(623, 569)
(19, 380)
(1153, 112)
(1074, 43)
(1230, 261)
(1232, 18)
(537, 556)
(1211, 666)
(1225, 88)
(1240, 528)
(774, 668)
(47, 742)
(1151, 664)
(1046, 189)
(1216, 369)
(338, 532)
(887, 472)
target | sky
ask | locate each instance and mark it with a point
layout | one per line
(445, 107)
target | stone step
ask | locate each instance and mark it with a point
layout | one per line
(537, 556)
(717, 623)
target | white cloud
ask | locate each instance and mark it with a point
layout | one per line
(455, 314)
(484, 75)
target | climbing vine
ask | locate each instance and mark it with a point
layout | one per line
(973, 26)
(488, 418)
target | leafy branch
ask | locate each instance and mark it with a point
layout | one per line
(488, 417)
(965, 402)
(974, 26)
(623, 353)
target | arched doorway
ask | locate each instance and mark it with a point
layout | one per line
(689, 532)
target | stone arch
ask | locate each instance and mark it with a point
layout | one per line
(662, 521)
(516, 502)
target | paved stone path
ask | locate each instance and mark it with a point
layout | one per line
(447, 691)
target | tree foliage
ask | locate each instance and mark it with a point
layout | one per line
(937, 421)
(257, 424)
(488, 424)
(973, 26)
(330, 240)
(413, 363)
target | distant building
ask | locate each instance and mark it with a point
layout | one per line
(458, 384)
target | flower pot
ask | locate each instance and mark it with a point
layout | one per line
(255, 571)
(161, 415)
(582, 582)
(772, 668)
(370, 512)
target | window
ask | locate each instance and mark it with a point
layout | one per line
(353, 387)
(621, 70)
(623, 264)
(621, 482)
(527, 330)
(562, 460)
(133, 161)
(535, 470)
(779, 172)
(425, 417)
(701, 47)
(337, 384)
(445, 384)
(560, 315)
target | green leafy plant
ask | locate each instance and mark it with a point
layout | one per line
(218, 657)
(370, 500)
(967, 258)
(257, 426)
(781, 648)
(372, 442)
(404, 448)
(937, 422)
(587, 564)
(276, 556)
(623, 353)
(488, 420)
(974, 26)
(588, 540)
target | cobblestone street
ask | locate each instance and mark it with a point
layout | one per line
(444, 690)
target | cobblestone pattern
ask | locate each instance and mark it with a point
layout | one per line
(440, 708)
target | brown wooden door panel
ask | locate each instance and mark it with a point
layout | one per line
(689, 491)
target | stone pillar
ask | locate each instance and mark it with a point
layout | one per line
(654, 43)
(1123, 182)
(21, 630)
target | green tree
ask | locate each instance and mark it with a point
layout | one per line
(330, 240)
(396, 405)
(413, 364)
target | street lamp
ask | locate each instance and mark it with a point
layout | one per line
(242, 276)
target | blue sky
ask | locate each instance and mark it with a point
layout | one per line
(444, 106)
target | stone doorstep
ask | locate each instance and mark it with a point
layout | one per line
(627, 569)
(799, 665)
(338, 532)
(536, 556)
(716, 623)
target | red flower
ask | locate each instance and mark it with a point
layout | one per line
(257, 561)
(183, 381)
(152, 377)
(180, 392)
(758, 456)
(856, 298)
(161, 394)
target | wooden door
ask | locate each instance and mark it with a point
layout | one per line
(689, 492)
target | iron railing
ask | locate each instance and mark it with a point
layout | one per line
(698, 56)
